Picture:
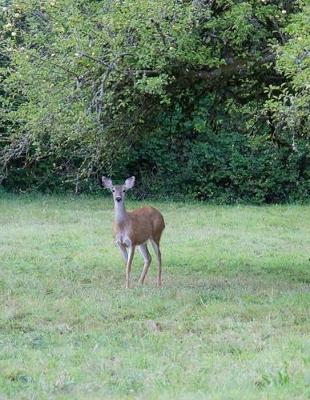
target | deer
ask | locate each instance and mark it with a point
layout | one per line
(135, 228)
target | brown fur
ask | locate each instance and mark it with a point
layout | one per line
(135, 228)
(142, 224)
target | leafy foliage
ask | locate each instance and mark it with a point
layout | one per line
(167, 90)
(290, 103)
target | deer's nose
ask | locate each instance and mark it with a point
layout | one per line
(118, 198)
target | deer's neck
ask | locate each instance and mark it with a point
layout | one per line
(120, 212)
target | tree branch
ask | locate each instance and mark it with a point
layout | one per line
(234, 67)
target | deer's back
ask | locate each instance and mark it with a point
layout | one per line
(145, 223)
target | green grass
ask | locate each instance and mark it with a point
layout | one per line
(231, 321)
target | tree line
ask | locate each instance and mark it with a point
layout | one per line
(206, 99)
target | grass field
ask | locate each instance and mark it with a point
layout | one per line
(232, 320)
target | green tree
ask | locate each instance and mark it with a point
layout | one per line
(289, 103)
(92, 84)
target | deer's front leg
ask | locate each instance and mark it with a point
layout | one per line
(131, 252)
(123, 250)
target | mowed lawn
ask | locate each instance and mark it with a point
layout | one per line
(232, 320)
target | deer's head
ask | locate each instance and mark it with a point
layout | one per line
(118, 191)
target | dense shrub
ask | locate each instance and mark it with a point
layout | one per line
(206, 99)
(224, 167)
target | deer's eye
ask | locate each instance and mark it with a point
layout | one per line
(113, 190)
(124, 191)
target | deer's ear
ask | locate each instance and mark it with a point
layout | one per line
(130, 182)
(106, 183)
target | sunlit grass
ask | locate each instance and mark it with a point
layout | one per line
(231, 321)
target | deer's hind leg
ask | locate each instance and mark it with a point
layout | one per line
(147, 261)
(156, 248)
